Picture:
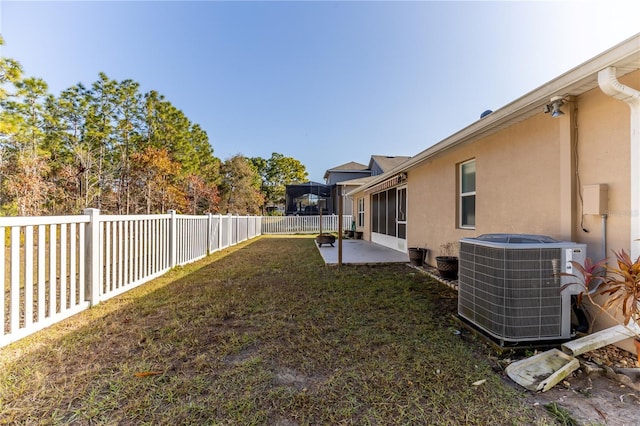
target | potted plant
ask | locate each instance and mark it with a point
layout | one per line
(417, 255)
(447, 262)
(352, 232)
(618, 288)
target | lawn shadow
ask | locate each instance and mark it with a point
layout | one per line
(259, 333)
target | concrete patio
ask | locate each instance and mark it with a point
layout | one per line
(361, 252)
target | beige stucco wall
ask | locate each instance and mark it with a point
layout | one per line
(604, 157)
(516, 187)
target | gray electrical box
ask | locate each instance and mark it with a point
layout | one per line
(595, 199)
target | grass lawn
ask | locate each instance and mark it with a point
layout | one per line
(262, 333)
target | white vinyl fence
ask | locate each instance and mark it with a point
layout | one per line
(56, 266)
(303, 224)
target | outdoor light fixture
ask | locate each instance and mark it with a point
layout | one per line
(554, 107)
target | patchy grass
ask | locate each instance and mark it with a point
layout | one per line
(563, 416)
(262, 333)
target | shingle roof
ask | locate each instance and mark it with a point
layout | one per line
(387, 162)
(351, 166)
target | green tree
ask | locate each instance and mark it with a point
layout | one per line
(188, 145)
(25, 162)
(99, 135)
(128, 116)
(10, 73)
(106, 146)
(72, 162)
(276, 173)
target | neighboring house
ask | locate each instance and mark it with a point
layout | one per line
(383, 163)
(347, 171)
(351, 175)
(563, 160)
(303, 198)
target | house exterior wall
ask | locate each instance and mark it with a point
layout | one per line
(530, 178)
(347, 205)
(335, 177)
(604, 157)
(526, 179)
(376, 169)
(516, 187)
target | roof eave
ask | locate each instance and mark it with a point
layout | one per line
(624, 56)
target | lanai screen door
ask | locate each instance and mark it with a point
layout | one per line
(389, 217)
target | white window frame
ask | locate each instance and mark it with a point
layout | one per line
(462, 195)
(406, 205)
(361, 212)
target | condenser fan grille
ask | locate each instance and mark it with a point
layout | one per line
(511, 293)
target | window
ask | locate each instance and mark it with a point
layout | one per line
(360, 212)
(467, 205)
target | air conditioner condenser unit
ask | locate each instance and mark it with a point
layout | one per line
(510, 285)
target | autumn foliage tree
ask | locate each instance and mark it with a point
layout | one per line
(111, 147)
(240, 187)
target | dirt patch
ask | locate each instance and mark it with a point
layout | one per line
(289, 377)
(595, 394)
(242, 356)
(592, 400)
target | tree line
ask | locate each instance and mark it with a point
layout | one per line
(111, 147)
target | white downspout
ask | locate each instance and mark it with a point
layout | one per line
(611, 86)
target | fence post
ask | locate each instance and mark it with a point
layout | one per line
(92, 256)
(209, 232)
(173, 232)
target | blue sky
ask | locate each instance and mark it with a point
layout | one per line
(323, 82)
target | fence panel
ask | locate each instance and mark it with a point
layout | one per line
(42, 281)
(133, 250)
(303, 224)
(225, 228)
(215, 232)
(53, 267)
(191, 238)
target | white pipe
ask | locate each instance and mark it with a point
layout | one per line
(611, 86)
